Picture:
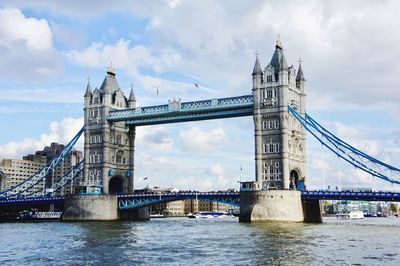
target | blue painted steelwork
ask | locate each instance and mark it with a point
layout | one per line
(40, 175)
(31, 200)
(187, 111)
(232, 198)
(59, 183)
(347, 152)
(142, 200)
(348, 195)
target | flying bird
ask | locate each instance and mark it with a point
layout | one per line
(145, 178)
(196, 85)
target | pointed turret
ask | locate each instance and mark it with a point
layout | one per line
(257, 68)
(300, 75)
(132, 98)
(88, 92)
(257, 74)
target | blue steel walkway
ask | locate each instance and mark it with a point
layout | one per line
(142, 200)
(175, 111)
(343, 195)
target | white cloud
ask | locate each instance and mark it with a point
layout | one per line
(59, 131)
(155, 138)
(353, 135)
(26, 44)
(43, 95)
(125, 56)
(196, 139)
(16, 27)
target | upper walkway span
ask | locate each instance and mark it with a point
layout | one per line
(175, 111)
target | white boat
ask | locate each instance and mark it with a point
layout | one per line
(350, 215)
(35, 215)
(157, 215)
(210, 215)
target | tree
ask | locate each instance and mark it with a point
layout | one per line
(393, 207)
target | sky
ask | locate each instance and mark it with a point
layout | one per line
(350, 56)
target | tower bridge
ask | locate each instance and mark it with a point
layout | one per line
(277, 104)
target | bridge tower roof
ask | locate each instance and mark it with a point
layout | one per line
(278, 60)
(110, 83)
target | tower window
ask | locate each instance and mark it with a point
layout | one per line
(269, 94)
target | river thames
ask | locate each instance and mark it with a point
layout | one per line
(183, 241)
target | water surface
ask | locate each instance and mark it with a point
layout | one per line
(182, 241)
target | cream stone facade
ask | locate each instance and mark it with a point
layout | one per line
(109, 147)
(280, 141)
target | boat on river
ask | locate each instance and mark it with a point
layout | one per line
(157, 215)
(350, 215)
(36, 215)
(210, 215)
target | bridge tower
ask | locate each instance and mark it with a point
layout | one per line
(280, 146)
(109, 147)
(280, 141)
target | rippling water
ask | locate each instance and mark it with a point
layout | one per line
(182, 241)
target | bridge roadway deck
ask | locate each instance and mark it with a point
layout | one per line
(137, 200)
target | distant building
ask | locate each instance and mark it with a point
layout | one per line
(183, 207)
(71, 160)
(346, 206)
(14, 171)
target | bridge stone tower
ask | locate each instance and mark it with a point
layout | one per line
(280, 146)
(280, 141)
(109, 147)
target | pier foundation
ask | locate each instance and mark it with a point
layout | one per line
(312, 210)
(142, 214)
(277, 205)
(90, 208)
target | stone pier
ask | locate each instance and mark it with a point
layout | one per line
(90, 208)
(100, 208)
(277, 205)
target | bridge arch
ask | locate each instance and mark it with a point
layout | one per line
(295, 175)
(144, 200)
(116, 185)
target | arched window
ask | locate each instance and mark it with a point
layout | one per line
(119, 139)
(119, 157)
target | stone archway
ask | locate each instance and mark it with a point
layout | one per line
(294, 179)
(116, 185)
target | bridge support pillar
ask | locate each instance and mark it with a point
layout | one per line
(312, 211)
(142, 214)
(271, 205)
(90, 208)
